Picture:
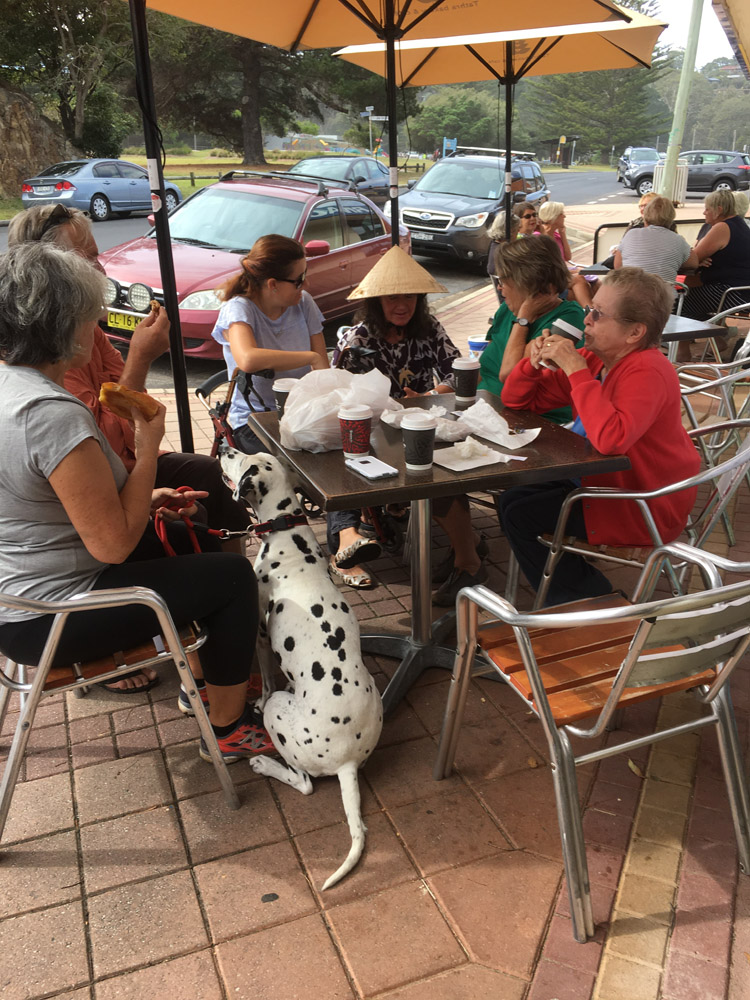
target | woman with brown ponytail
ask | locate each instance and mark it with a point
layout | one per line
(268, 322)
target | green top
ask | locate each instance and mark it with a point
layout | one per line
(498, 334)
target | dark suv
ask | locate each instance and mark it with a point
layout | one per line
(708, 170)
(632, 159)
(449, 210)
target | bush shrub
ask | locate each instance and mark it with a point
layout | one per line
(178, 150)
(134, 151)
(223, 153)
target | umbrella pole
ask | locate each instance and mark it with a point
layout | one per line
(145, 89)
(508, 133)
(389, 30)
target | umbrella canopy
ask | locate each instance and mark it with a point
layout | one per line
(508, 56)
(734, 17)
(311, 24)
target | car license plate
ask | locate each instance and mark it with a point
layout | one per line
(123, 321)
(421, 236)
(46, 189)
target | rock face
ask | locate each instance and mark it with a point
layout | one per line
(29, 142)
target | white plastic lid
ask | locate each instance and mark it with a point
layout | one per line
(417, 420)
(285, 384)
(465, 364)
(563, 327)
(355, 411)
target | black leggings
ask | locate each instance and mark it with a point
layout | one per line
(216, 589)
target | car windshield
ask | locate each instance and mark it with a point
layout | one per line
(232, 219)
(322, 168)
(473, 180)
(62, 169)
(645, 155)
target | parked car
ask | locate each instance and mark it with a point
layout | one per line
(344, 236)
(450, 208)
(99, 187)
(708, 170)
(368, 174)
(632, 157)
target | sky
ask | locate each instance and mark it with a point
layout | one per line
(712, 42)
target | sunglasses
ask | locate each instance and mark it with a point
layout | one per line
(297, 282)
(530, 215)
(58, 215)
(597, 314)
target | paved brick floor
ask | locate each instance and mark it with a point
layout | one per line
(124, 877)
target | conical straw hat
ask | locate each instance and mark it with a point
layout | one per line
(396, 273)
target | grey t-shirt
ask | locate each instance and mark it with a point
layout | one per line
(290, 332)
(41, 554)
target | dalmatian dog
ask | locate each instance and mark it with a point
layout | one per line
(328, 720)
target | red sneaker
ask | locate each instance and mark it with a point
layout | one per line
(247, 739)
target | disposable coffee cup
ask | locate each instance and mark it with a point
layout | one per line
(466, 371)
(356, 423)
(563, 329)
(281, 389)
(476, 346)
(418, 429)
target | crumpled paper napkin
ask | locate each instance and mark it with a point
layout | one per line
(446, 430)
(481, 419)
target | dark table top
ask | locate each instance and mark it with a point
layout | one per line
(682, 328)
(555, 454)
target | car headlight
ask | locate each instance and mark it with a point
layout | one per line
(206, 299)
(139, 296)
(472, 221)
(387, 210)
(112, 293)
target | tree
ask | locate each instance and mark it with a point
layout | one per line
(62, 51)
(474, 115)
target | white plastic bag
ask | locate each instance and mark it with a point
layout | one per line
(310, 421)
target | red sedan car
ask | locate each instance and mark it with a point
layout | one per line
(344, 235)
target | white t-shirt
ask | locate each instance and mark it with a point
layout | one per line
(655, 249)
(42, 555)
(290, 332)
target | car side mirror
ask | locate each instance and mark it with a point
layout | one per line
(519, 196)
(359, 179)
(410, 184)
(317, 248)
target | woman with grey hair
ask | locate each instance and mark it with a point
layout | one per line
(496, 233)
(654, 247)
(723, 257)
(71, 516)
(552, 223)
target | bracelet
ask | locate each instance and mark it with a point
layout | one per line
(433, 392)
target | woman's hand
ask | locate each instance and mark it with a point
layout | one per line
(172, 504)
(562, 352)
(317, 363)
(534, 306)
(148, 433)
(535, 349)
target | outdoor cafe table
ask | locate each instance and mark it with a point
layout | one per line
(555, 454)
(682, 328)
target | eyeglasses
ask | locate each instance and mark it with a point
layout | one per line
(529, 215)
(58, 215)
(597, 314)
(297, 282)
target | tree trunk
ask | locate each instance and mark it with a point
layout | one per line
(252, 134)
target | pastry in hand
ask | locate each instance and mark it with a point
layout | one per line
(155, 306)
(120, 399)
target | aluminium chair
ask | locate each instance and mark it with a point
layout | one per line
(578, 665)
(167, 647)
(722, 481)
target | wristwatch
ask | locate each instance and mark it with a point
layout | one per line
(522, 322)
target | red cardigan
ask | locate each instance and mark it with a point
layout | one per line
(635, 412)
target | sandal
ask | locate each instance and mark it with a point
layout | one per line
(151, 682)
(363, 550)
(359, 581)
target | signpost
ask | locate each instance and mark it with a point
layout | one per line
(367, 113)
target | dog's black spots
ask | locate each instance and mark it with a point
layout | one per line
(268, 468)
(328, 739)
(269, 897)
(359, 736)
(334, 606)
(253, 470)
(277, 656)
(275, 565)
(342, 655)
(356, 684)
(367, 690)
(308, 742)
(314, 711)
(270, 607)
(338, 690)
(325, 626)
(262, 488)
(345, 607)
(281, 738)
(289, 675)
(347, 718)
(318, 672)
(335, 640)
(305, 729)
(304, 694)
(279, 607)
(335, 719)
(302, 544)
(316, 610)
(336, 673)
(281, 552)
(265, 578)
(283, 504)
(320, 756)
(264, 549)
(289, 643)
(310, 559)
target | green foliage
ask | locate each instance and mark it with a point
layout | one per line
(178, 150)
(308, 128)
(105, 124)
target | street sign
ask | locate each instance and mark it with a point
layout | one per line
(563, 140)
(380, 118)
(364, 114)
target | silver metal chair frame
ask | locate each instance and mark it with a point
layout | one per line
(726, 478)
(713, 630)
(14, 678)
